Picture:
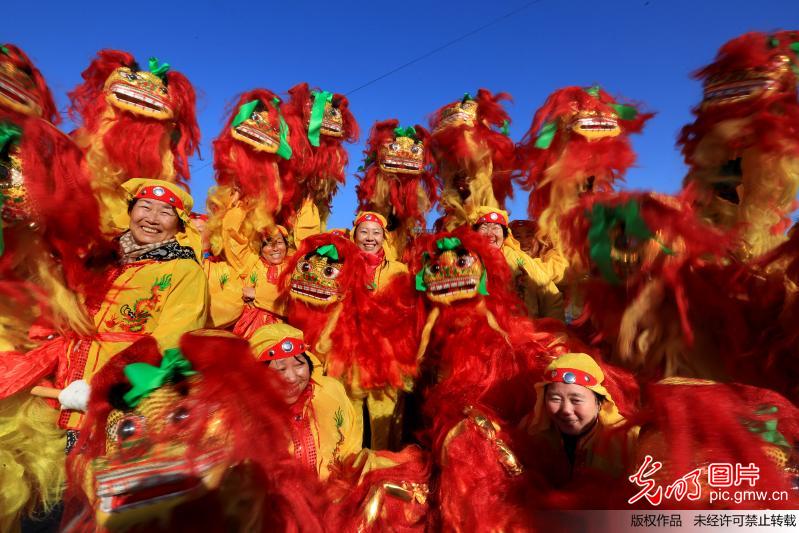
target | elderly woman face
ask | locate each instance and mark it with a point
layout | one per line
(572, 408)
(153, 221)
(295, 372)
(494, 232)
(273, 249)
(369, 236)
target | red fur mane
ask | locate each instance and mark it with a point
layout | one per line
(258, 430)
(452, 147)
(134, 142)
(606, 159)
(403, 189)
(258, 174)
(774, 118)
(21, 61)
(60, 193)
(329, 159)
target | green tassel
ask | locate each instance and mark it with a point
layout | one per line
(481, 288)
(284, 150)
(159, 69)
(410, 131)
(317, 114)
(448, 243)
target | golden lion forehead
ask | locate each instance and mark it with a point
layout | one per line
(142, 77)
(402, 143)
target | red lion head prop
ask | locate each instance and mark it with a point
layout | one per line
(324, 123)
(254, 140)
(753, 76)
(470, 142)
(22, 87)
(171, 441)
(344, 322)
(40, 175)
(398, 179)
(659, 274)
(579, 137)
(138, 112)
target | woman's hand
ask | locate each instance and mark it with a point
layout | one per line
(248, 294)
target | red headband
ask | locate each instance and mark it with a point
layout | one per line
(288, 347)
(368, 217)
(571, 376)
(492, 218)
(161, 194)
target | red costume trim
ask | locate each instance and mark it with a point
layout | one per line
(368, 217)
(571, 376)
(162, 194)
(493, 218)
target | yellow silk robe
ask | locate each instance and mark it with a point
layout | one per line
(164, 299)
(541, 297)
(332, 422)
(224, 290)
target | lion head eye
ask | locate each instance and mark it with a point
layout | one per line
(465, 261)
(331, 272)
(129, 428)
(179, 415)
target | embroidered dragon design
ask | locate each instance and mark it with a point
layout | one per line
(135, 317)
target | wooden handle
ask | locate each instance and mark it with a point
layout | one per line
(46, 392)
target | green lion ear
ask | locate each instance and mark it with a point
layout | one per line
(245, 111)
(9, 134)
(329, 251)
(481, 287)
(625, 112)
(546, 135)
(420, 286)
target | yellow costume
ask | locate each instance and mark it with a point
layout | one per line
(224, 291)
(324, 424)
(159, 296)
(534, 280)
(253, 271)
(380, 405)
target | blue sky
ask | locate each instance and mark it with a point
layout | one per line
(642, 50)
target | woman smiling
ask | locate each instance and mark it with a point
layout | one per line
(156, 288)
(369, 235)
(324, 430)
